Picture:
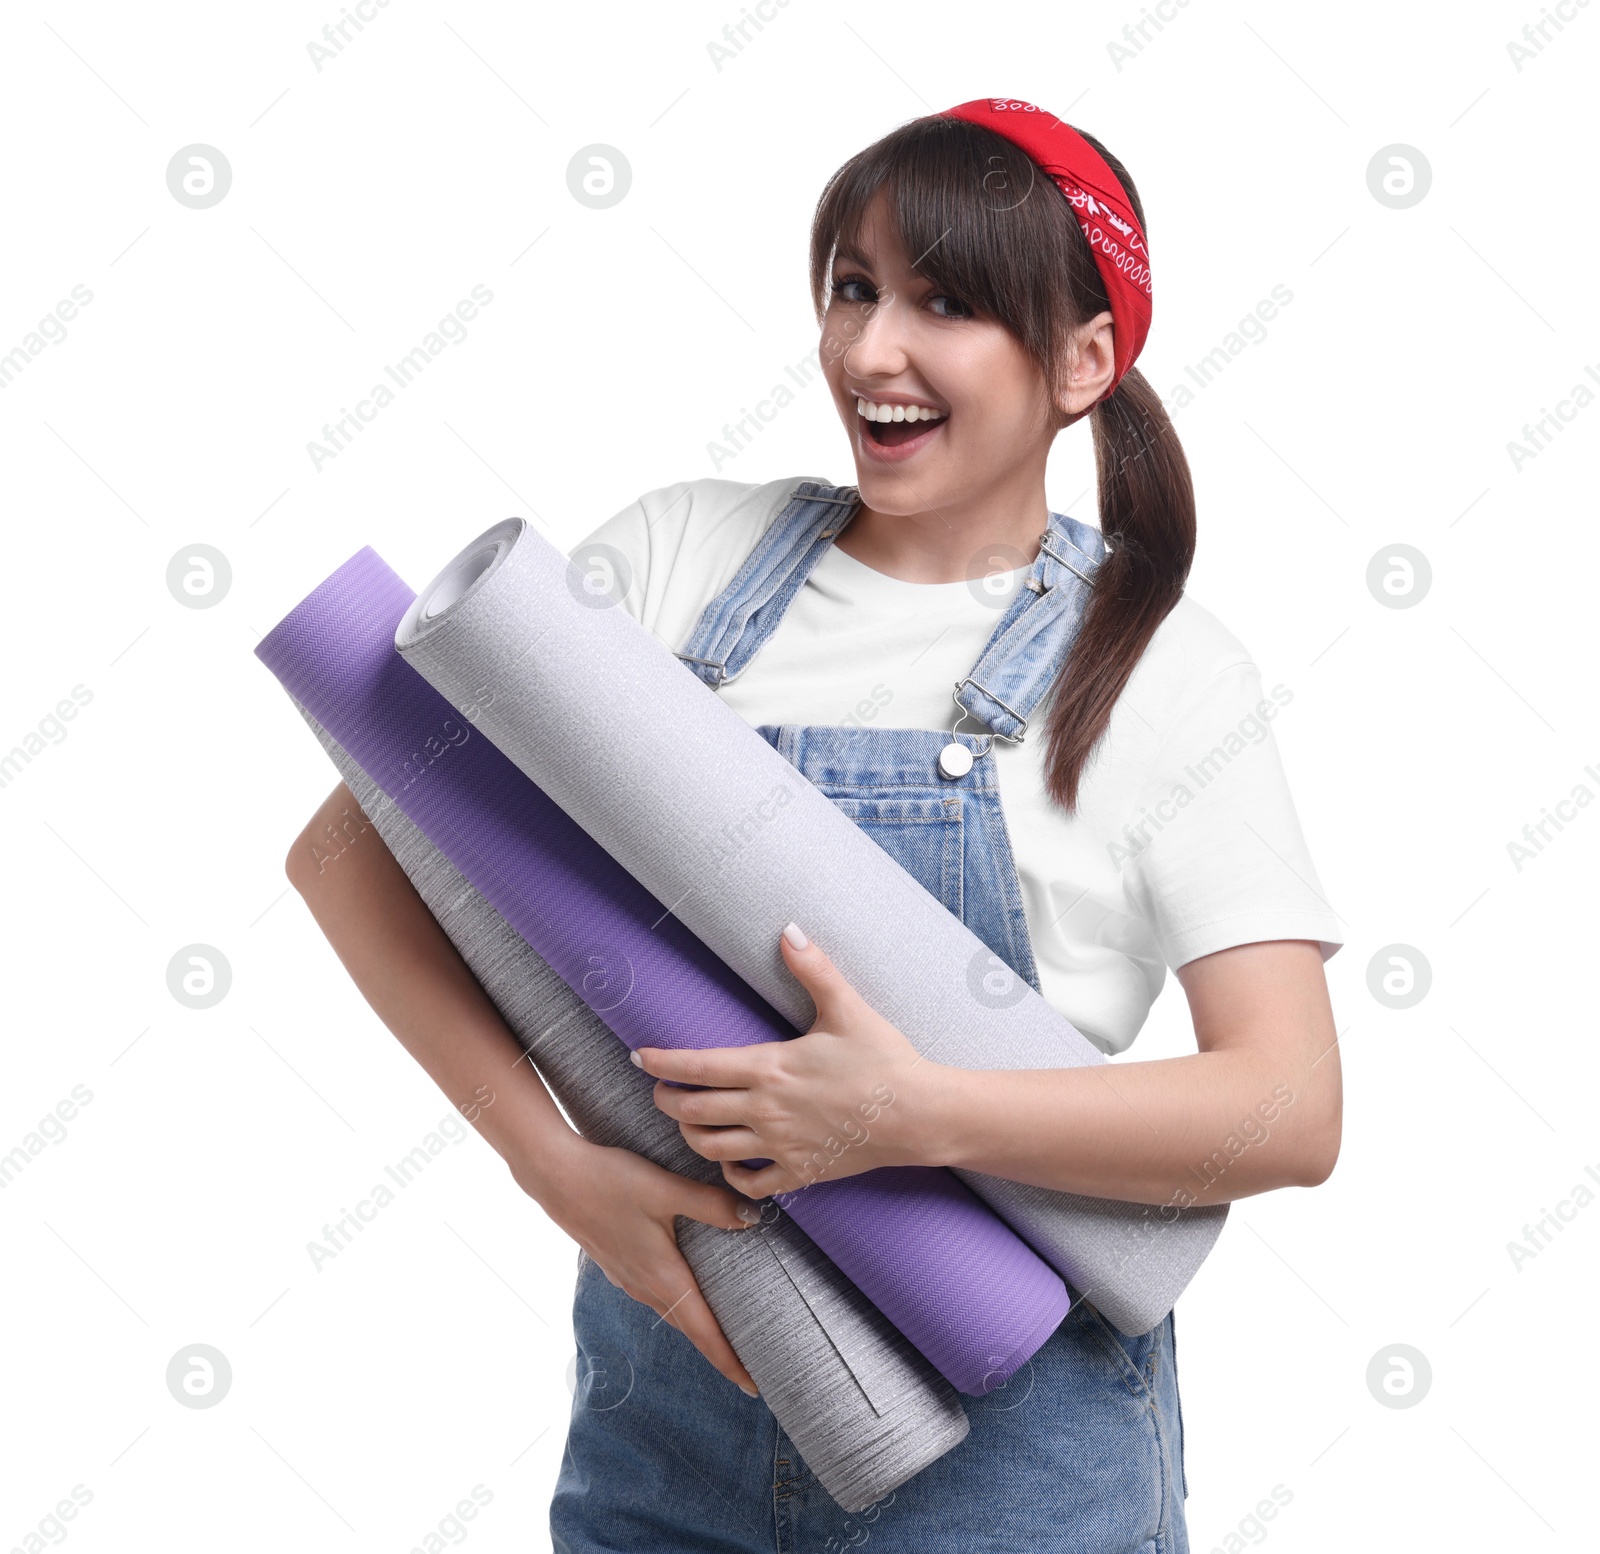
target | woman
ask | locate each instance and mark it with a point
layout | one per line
(983, 282)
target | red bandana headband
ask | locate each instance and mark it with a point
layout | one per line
(1099, 201)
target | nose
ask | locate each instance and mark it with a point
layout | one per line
(879, 349)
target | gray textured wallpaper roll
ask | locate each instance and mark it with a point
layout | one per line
(708, 817)
(863, 1408)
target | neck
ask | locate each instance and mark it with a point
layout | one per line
(949, 544)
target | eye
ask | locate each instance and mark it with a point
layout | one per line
(961, 309)
(855, 288)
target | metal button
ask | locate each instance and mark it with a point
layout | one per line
(955, 760)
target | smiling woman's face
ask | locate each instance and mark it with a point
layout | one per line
(982, 423)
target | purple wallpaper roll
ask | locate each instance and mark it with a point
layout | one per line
(963, 1287)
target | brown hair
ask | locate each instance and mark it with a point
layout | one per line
(985, 224)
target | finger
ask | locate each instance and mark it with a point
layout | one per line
(722, 1143)
(695, 1320)
(670, 1290)
(713, 1205)
(720, 1067)
(707, 1108)
(760, 1182)
(826, 984)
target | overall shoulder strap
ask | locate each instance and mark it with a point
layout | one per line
(733, 626)
(1036, 634)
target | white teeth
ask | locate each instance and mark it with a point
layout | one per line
(874, 412)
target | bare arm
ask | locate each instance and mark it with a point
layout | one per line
(617, 1205)
(1257, 1107)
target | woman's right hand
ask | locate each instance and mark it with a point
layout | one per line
(620, 1208)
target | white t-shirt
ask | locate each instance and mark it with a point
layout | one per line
(1185, 839)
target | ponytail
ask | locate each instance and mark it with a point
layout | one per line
(1147, 520)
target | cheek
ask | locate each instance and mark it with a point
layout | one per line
(981, 421)
(1001, 410)
(832, 371)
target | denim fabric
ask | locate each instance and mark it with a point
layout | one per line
(1080, 1453)
(947, 832)
(1082, 1450)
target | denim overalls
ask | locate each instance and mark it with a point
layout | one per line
(1082, 1450)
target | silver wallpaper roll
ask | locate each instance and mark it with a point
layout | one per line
(863, 1408)
(708, 817)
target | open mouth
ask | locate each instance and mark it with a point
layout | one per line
(898, 427)
(890, 434)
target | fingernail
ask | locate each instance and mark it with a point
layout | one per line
(636, 1060)
(749, 1392)
(749, 1213)
(797, 940)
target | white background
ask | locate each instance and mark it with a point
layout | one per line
(430, 155)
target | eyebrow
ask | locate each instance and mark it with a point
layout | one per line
(850, 256)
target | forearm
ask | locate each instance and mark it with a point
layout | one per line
(417, 983)
(1259, 1106)
(1200, 1129)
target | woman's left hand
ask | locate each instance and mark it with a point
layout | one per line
(850, 1095)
